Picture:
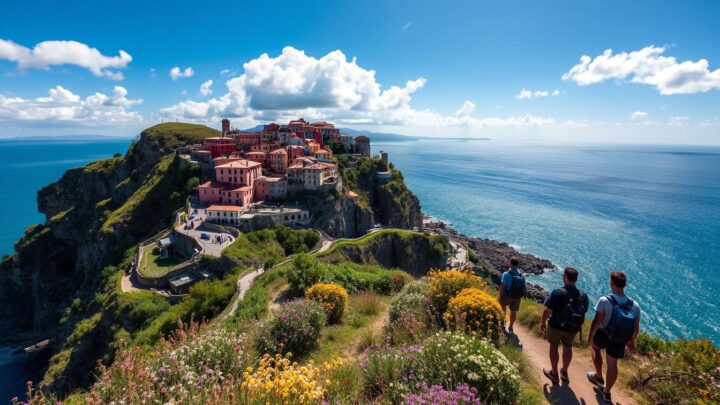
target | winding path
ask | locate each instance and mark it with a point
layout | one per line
(243, 284)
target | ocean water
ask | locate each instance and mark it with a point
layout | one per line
(25, 167)
(651, 211)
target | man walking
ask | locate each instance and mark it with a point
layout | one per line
(512, 290)
(614, 329)
(565, 308)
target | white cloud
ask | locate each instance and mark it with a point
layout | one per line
(646, 66)
(677, 121)
(528, 95)
(637, 115)
(176, 73)
(153, 74)
(205, 89)
(52, 53)
(406, 26)
(228, 72)
(62, 105)
(331, 88)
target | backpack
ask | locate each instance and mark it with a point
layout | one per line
(572, 316)
(621, 326)
(517, 287)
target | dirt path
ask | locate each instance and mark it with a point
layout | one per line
(579, 390)
(243, 284)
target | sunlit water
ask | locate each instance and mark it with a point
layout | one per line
(652, 211)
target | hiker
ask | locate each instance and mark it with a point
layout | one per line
(565, 308)
(614, 329)
(512, 290)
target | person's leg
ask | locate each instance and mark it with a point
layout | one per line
(567, 357)
(612, 372)
(554, 357)
(597, 360)
(513, 315)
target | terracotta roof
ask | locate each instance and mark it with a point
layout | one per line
(225, 208)
(243, 163)
(242, 188)
(280, 151)
(215, 184)
(362, 138)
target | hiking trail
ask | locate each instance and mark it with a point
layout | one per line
(579, 390)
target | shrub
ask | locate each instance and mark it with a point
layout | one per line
(307, 271)
(449, 359)
(294, 328)
(277, 380)
(184, 369)
(475, 310)
(412, 304)
(437, 395)
(421, 286)
(475, 362)
(332, 297)
(446, 284)
(677, 371)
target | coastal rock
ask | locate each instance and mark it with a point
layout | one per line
(493, 258)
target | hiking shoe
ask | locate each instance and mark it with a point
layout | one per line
(604, 395)
(595, 380)
(552, 376)
(564, 376)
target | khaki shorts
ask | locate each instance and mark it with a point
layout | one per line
(513, 303)
(555, 336)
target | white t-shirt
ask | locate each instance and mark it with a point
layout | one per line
(605, 307)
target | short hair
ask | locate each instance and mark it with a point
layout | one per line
(514, 261)
(571, 274)
(618, 279)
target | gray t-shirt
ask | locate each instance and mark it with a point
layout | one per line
(605, 307)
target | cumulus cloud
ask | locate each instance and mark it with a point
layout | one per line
(176, 73)
(646, 66)
(638, 115)
(330, 88)
(528, 94)
(62, 105)
(205, 89)
(52, 53)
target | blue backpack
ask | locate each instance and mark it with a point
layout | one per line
(621, 326)
(517, 287)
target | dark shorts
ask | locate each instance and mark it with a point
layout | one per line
(613, 349)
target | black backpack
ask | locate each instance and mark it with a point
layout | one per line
(572, 316)
(517, 288)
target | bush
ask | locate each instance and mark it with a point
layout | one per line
(449, 359)
(677, 371)
(437, 395)
(412, 304)
(307, 271)
(475, 310)
(184, 369)
(294, 328)
(446, 284)
(421, 286)
(332, 297)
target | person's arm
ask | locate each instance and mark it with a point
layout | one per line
(502, 291)
(631, 343)
(543, 322)
(595, 325)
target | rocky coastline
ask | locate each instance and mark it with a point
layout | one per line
(492, 256)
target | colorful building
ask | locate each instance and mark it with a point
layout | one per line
(278, 160)
(219, 146)
(270, 188)
(224, 214)
(362, 143)
(239, 172)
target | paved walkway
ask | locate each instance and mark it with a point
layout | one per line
(579, 390)
(242, 285)
(460, 258)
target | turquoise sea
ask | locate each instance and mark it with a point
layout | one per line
(652, 211)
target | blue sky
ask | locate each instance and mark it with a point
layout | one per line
(440, 68)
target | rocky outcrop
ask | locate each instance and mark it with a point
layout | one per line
(413, 252)
(63, 272)
(340, 217)
(492, 258)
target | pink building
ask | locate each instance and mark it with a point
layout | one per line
(240, 196)
(260, 157)
(239, 172)
(210, 191)
(278, 160)
(270, 188)
(294, 152)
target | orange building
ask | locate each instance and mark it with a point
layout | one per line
(278, 160)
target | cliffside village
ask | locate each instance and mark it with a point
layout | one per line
(267, 165)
